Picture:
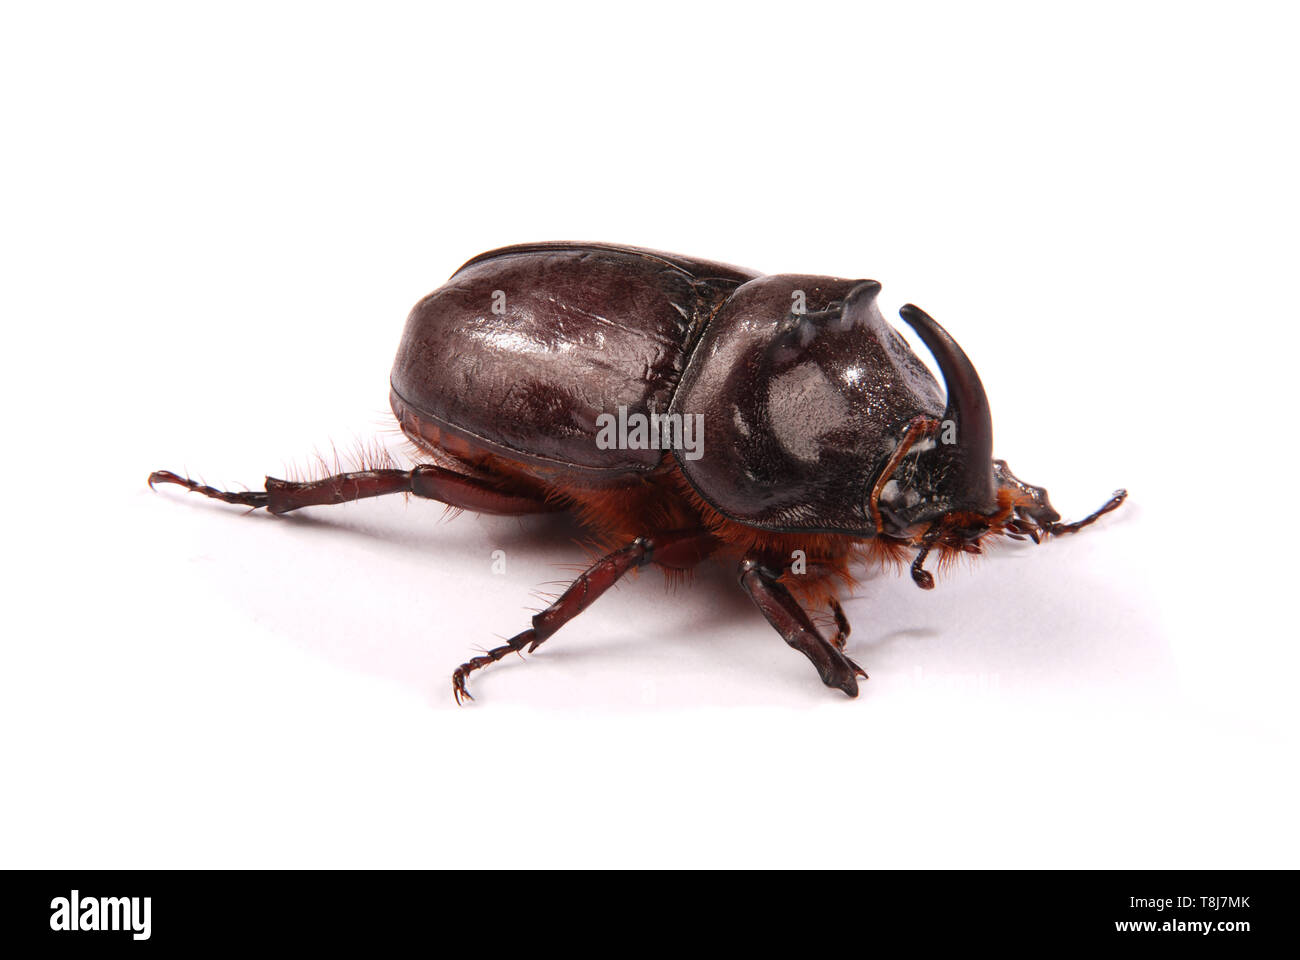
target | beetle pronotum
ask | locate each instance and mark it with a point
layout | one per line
(827, 438)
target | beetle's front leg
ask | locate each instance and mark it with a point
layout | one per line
(792, 622)
(842, 627)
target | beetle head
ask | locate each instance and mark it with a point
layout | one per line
(947, 469)
(945, 491)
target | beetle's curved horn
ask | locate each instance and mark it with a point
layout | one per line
(971, 457)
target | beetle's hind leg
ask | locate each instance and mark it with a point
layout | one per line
(246, 498)
(428, 481)
(678, 550)
(796, 628)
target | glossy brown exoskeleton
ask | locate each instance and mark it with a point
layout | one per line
(682, 410)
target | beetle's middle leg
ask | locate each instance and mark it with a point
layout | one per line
(427, 480)
(796, 627)
(919, 426)
(679, 550)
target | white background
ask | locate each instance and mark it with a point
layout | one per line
(215, 221)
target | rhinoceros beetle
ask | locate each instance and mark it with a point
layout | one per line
(683, 409)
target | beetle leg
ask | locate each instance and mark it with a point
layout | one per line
(792, 622)
(842, 628)
(678, 550)
(918, 427)
(1056, 529)
(247, 498)
(426, 480)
